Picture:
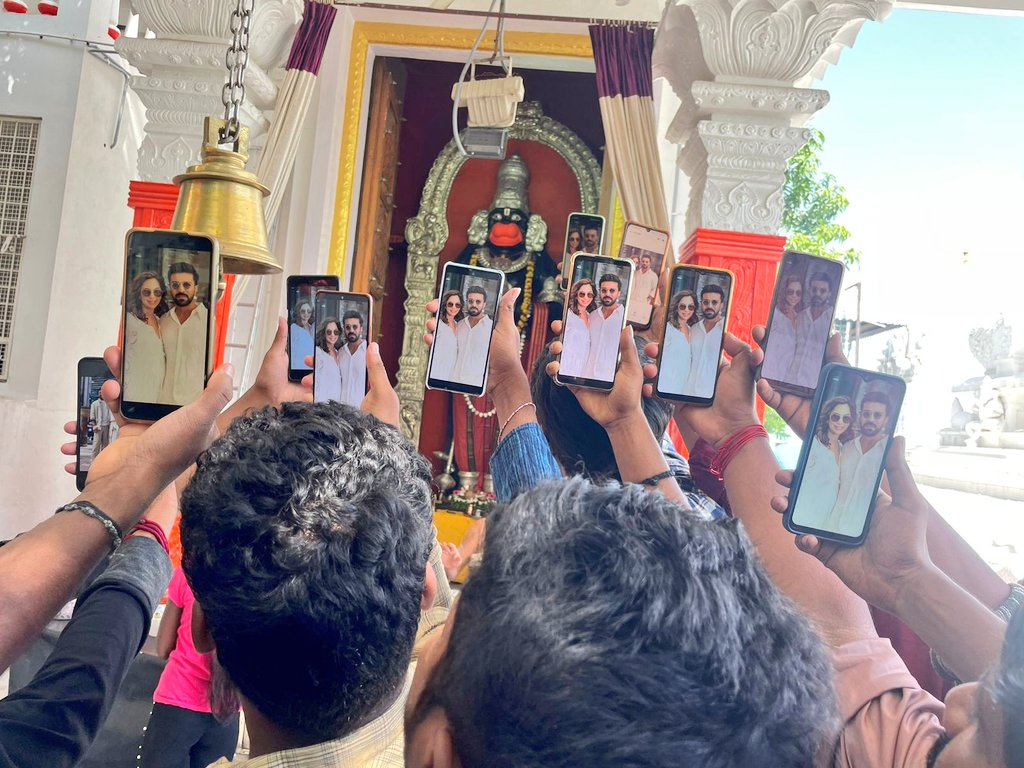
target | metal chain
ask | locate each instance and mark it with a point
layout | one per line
(236, 60)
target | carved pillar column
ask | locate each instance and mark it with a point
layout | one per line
(744, 102)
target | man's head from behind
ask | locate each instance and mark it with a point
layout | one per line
(620, 630)
(305, 536)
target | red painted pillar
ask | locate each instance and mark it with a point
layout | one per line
(754, 260)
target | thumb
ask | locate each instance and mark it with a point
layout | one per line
(215, 397)
(281, 337)
(507, 305)
(628, 356)
(901, 479)
(375, 370)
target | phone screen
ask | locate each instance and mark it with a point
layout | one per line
(584, 233)
(646, 248)
(852, 421)
(301, 323)
(803, 307)
(96, 426)
(170, 281)
(467, 309)
(595, 314)
(695, 322)
(339, 355)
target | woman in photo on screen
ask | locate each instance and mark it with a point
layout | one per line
(576, 339)
(820, 485)
(678, 355)
(782, 339)
(446, 345)
(143, 346)
(573, 243)
(301, 333)
(327, 359)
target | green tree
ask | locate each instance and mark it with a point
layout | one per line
(813, 200)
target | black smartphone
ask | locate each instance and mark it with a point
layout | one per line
(584, 233)
(696, 319)
(342, 321)
(170, 282)
(803, 308)
(96, 426)
(646, 248)
(851, 426)
(467, 309)
(301, 298)
(594, 316)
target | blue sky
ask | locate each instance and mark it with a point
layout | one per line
(925, 129)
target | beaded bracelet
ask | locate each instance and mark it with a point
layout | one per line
(733, 445)
(527, 404)
(155, 530)
(653, 480)
(89, 509)
(1012, 603)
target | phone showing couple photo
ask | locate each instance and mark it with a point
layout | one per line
(301, 298)
(342, 322)
(168, 323)
(584, 233)
(803, 308)
(646, 248)
(853, 417)
(696, 318)
(466, 313)
(96, 426)
(594, 316)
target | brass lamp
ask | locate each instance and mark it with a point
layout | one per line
(220, 197)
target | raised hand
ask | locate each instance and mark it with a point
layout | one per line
(381, 399)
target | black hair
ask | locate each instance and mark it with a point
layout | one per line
(352, 315)
(877, 397)
(610, 277)
(305, 534)
(578, 442)
(477, 289)
(1008, 691)
(180, 267)
(713, 288)
(821, 277)
(622, 631)
(321, 333)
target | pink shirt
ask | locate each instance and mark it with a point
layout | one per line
(888, 719)
(185, 681)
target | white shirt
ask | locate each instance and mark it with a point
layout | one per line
(858, 472)
(446, 351)
(353, 374)
(604, 343)
(474, 343)
(143, 362)
(676, 360)
(778, 356)
(707, 350)
(819, 487)
(185, 350)
(811, 337)
(326, 377)
(575, 345)
(643, 289)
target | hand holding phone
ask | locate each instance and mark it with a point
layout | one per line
(96, 427)
(836, 479)
(301, 299)
(339, 357)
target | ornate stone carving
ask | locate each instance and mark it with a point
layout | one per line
(990, 345)
(742, 105)
(427, 233)
(183, 73)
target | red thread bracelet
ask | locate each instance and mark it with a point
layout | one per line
(733, 445)
(153, 528)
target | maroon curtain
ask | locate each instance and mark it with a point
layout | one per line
(623, 58)
(311, 39)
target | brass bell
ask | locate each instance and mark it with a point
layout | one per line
(219, 197)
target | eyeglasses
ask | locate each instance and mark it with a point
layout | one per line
(147, 292)
(690, 307)
(585, 295)
(872, 414)
(177, 285)
(794, 291)
(453, 304)
(836, 418)
(332, 332)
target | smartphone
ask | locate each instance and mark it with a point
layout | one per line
(584, 233)
(696, 318)
(595, 314)
(301, 298)
(96, 427)
(803, 308)
(170, 281)
(342, 322)
(467, 309)
(851, 426)
(646, 248)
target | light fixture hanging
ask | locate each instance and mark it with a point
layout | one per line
(219, 197)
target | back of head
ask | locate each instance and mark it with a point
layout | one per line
(621, 631)
(305, 535)
(1008, 689)
(578, 442)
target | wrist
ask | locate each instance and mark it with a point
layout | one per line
(913, 587)
(625, 424)
(510, 392)
(733, 445)
(728, 431)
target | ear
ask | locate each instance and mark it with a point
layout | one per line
(201, 637)
(429, 588)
